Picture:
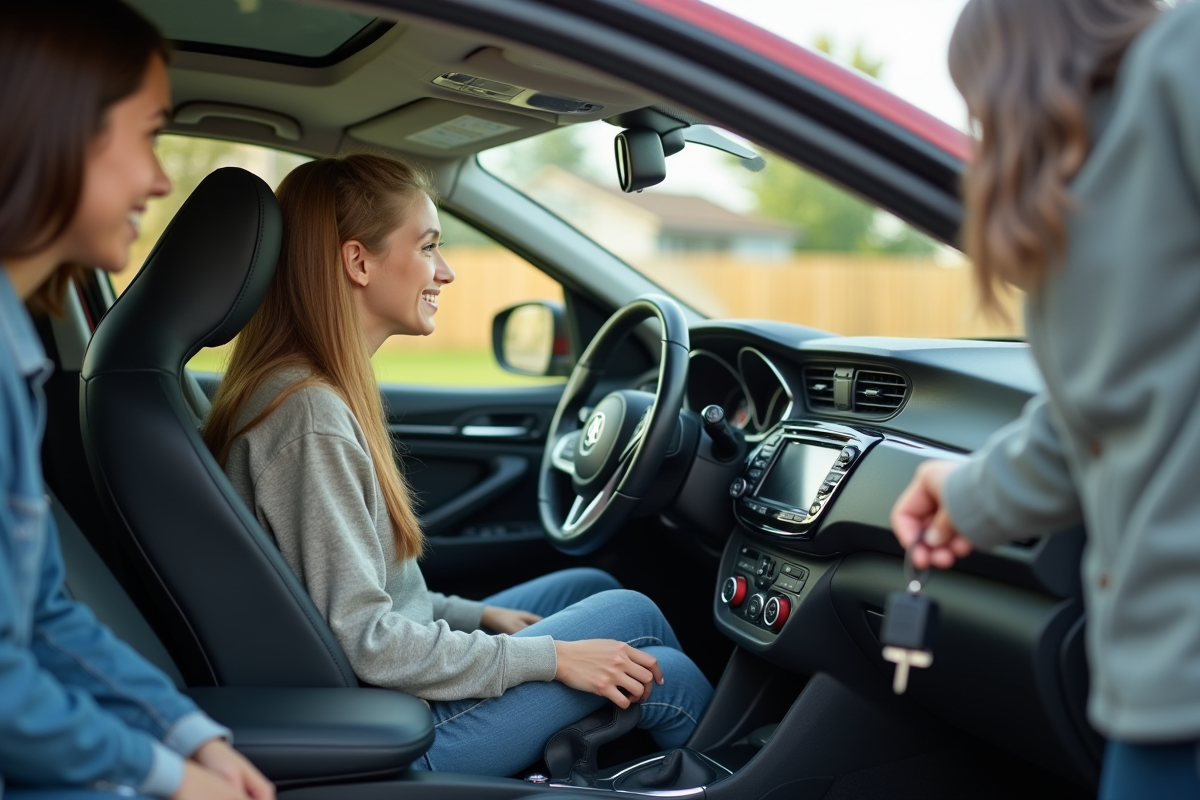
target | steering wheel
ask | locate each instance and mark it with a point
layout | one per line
(615, 453)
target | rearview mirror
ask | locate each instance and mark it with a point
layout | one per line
(531, 339)
(641, 161)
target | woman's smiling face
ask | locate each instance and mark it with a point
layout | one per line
(122, 173)
(397, 290)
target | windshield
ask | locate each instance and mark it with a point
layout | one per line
(779, 243)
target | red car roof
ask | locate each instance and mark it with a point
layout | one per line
(843, 81)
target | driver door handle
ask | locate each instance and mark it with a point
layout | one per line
(494, 431)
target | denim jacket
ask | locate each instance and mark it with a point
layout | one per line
(77, 706)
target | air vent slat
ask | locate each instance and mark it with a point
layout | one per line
(818, 386)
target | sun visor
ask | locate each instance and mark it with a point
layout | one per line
(443, 129)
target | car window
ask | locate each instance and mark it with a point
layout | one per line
(778, 243)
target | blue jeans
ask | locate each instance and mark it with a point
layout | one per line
(500, 735)
(1159, 771)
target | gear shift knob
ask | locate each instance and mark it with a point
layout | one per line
(724, 441)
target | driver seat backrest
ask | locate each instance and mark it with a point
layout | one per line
(242, 613)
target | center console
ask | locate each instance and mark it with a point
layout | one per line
(788, 482)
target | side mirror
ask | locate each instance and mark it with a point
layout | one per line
(531, 339)
(641, 160)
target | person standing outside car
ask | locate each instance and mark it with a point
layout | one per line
(1085, 192)
(83, 94)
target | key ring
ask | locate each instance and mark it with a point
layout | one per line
(912, 577)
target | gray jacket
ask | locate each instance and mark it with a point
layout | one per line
(307, 473)
(1115, 438)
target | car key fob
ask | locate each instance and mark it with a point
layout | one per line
(909, 624)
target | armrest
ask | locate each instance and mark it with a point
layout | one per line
(298, 736)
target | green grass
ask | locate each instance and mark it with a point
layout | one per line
(433, 367)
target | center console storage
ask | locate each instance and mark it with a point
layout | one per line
(321, 736)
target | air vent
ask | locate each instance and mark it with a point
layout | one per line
(878, 393)
(818, 387)
(843, 389)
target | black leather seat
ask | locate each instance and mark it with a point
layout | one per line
(241, 617)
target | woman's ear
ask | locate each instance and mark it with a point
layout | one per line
(354, 262)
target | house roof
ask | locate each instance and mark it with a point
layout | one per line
(694, 214)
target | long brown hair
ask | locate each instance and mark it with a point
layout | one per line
(308, 318)
(63, 64)
(1028, 70)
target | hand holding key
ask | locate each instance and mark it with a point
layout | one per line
(920, 511)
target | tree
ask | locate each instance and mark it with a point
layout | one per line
(560, 147)
(830, 218)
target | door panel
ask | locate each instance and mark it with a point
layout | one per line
(471, 456)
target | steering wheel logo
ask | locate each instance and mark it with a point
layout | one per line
(591, 436)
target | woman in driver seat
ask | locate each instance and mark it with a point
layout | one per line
(298, 425)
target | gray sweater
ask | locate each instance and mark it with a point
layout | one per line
(1115, 439)
(307, 472)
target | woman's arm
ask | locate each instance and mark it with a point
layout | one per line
(460, 614)
(1017, 486)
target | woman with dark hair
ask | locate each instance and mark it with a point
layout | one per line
(1085, 193)
(83, 94)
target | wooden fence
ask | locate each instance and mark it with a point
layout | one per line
(852, 295)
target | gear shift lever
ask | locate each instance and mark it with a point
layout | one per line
(571, 753)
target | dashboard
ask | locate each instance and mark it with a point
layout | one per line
(834, 429)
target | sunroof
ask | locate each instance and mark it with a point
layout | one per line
(280, 27)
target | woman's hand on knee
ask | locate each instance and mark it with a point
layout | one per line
(607, 667)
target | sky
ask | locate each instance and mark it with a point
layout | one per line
(910, 37)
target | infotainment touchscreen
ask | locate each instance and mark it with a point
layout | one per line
(797, 474)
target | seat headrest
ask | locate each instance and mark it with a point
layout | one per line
(201, 283)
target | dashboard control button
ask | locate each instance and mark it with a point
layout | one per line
(760, 463)
(847, 455)
(814, 509)
(834, 477)
(754, 474)
(755, 606)
(825, 489)
(734, 591)
(775, 612)
(737, 488)
(790, 569)
(745, 565)
(786, 584)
